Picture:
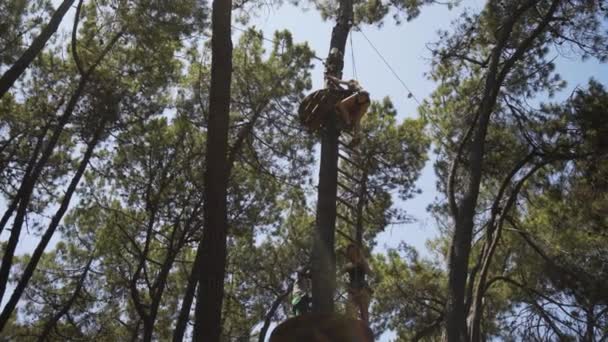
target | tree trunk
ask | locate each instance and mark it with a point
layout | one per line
(272, 311)
(492, 239)
(28, 184)
(323, 253)
(590, 324)
(212, 270)
(28, 170)
(184, 312)
(160, 283)
(50, 231)
(44, 336)
(360, 207)
(25, 191)
(463, 214)
(12, 74)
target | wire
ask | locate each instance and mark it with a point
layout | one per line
(409, 91)
(272, 41)
(352, 54)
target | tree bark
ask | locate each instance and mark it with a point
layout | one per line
(44, 336)
(212, 270)
(272, 311)
(48, 234)
(17, 69)
(463, 213)
(323, 253)
(493, 238)
(184, 312)
(28, 184)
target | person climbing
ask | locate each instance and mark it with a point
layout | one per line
(352, 108)
(359, 292)
(300, 298)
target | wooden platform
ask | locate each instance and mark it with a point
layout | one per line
(322, 328)
(318, 105)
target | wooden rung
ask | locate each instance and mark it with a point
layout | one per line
(347, 133)
(345, 235)
(346, 188)
(343, 218)
(349, 176)
(346, 147)
(350, 206)
(340, 155)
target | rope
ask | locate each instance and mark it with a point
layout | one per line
(409, 91)
(352, 55)
(272, 41)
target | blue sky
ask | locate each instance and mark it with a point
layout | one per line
(404, 47)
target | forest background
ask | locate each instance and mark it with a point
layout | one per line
(62, 299)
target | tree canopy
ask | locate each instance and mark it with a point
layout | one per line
(156, 182)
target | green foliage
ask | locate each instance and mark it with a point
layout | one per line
(409, 293)
(388, 162)
(124, 253)
(21, 20)
(374, 12)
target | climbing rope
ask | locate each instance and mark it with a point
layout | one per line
(352, 55)
(410, 94)
(322, 60)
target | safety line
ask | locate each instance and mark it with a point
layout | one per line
(272, 41)
(352, 54)
(409, 91)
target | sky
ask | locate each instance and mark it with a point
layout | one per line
(404, 47)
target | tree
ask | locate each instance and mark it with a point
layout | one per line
(410, 295)
(18, 68)
(347, 14)
(211, 254)
(511, 66)
(268, 152)
(100, 103)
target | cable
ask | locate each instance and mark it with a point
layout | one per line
(410, 94)
(352, 54)
(272, 41)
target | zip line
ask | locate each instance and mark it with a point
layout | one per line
(410, 94)
(409, 91)
(272, 41)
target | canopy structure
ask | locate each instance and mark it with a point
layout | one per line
(318, 105)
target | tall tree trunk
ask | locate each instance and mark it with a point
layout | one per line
(323, 253)
(158, 288)
(492, 239)
(44, 336)
(590, 324)
(17, 69)
(273, 309)
(28, 170)
(50, 231)
(25, 190)
(360, 207)
(28, 184)
(210, 295)
(463, 213)
(184, 312)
